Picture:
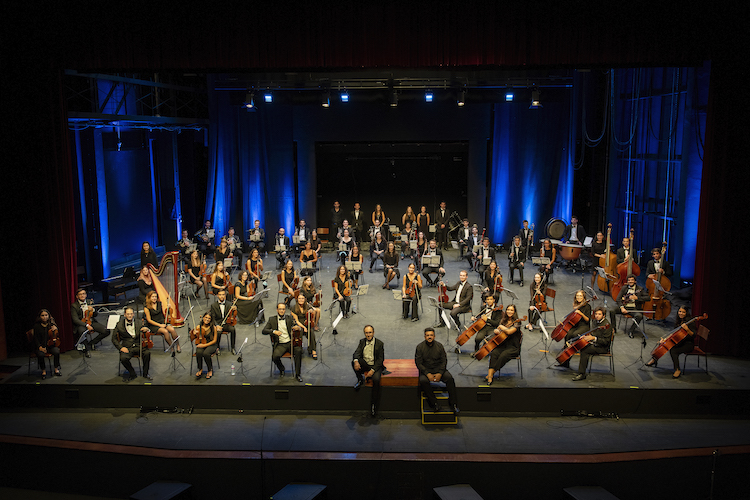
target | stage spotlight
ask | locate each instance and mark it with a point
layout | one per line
(325, 99)
(268, 96)
(344, 96)
(461, 99)
(535, 104)
(428, 95)
(394, 98)
(249, 100)
(509, 95)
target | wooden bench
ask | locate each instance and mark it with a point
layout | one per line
(403, 372)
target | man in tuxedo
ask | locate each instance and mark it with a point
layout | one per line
(441, 226)
(464, 232)
(655, 268)
(77, 311)
(261, 243)
(235, 245)
(126, 337)
(461, 303)
(598, 342)
(219, 311)
(183, 244)
(357, 221)
(486, 252)
(205, 241)
(474, 239)
(492, 319)
(432, 363)
(525, 235)
(281, 239)
(574, 232)
(516, 258)
(427, 270)
(303, 233)
(337, 218)
(279, 327)
(631, 298)
(367, 363)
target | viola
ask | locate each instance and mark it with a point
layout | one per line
(674, 338)
(54, 337)
(442, 293)
(231, 317)
(498, 282)
(575, 345)
(660, 305)
(251, 289)
(146, 342)
(197, 336)
(411, 291)
(347, 288)
(475, 327)
(88, 316)
(310, 321)
(316, 300)
(296, 336)
(568, 323)
(539, 301)
(608, 263)
(625, 269)
(495, 341)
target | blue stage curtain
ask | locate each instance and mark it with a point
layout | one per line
(532, 167)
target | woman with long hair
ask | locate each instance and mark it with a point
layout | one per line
(508, 349)
(43, 325)
(205, 337)
(156, 320)
(148, 256)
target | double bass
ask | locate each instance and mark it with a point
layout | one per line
(576, 344)
(480, 323)
(661, 306)
(495, 341)
(625, 269)
(675, 337)
(568, 323)
(608, 263)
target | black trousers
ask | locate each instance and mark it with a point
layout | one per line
(683, 347)
(450, 384)
(501, 354)
(232, 335)
(125, 358)
(256, 244)
(364, 368)
(414, 304)
(427, 271)
(481, 335)
(513, 266)
(98, 333)
(586, 353)
(455, 312)
(204, 354)
(55, 351)
(441, 236)
(280, 349)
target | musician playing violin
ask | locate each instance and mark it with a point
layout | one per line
(509, 349)
(538, 302)
(686, 345)
(247, 308)
(194, 273)
(206, 340)
(493, 317)
(597, 344)
(300, 311)
(280, 328)
(254, 266)
(219, 278)
(77, 312)
(339, 286)
(491, 277)
(309, 291)
(220, 311)
(583, 309)
(412, 282)
(43, 324)
(631, 299)
(156, 319)
(288, 275)
(127, 337)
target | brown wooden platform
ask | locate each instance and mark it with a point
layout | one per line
(403, 372)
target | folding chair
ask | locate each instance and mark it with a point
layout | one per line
(607, 354)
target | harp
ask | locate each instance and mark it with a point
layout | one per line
(166, 282)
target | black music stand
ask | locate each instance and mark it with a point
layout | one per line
(334, 323)
(645, 337)
(320, 351)
(84, 362)
(255, 323)
(175, 361)
(241, 371)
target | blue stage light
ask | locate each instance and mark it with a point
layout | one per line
(345, 96)
(268, 96)
(509, 96)
(428, 96)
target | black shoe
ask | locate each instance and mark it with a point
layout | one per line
(218, 352)
(360, 383)
(299, 378)
(630, 334)
(456, 411)
(511, 281)
(373, 410)
(126, 379)
(282, 373)
(58, 374)
(44, 376)
(578, 377)
(234, 351)
(148, 377)
(370, 270)
(520, 284)
(92, 347)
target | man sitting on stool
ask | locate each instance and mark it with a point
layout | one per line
(598, 344)
(280, 329)
(432, 363)
(126, 337)
(368, 363)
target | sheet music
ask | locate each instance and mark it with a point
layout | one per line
(112, 321)
(336, 321)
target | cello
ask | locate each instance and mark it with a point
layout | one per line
(625, 269)
(568, 323)
(495, 341)
(480, 323)
(608, 263)
(674, 338)
(660, 305)
(576, 344)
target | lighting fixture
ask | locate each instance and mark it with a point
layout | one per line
(461, 99)
(344, 96)
(509, 95)
(268, 96)
(325, 99)
(428, 95)
(535, 103)
(394, 98)
(249, 100)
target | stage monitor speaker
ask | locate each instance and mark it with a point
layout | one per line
(164, 490)
(456, 492)
(301, 491)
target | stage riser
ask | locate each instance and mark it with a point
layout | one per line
(395, 401)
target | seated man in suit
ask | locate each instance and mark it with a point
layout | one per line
(631, 298)
(258, 232)
(428, 270)
(281, 240)
(598, 342)
(432, 363)
(219, 311)
(367, 362)
(574, 232)
(486, 252)
(77, 311)
(279, 327)
(461, 303)
(516, 258)
(126, 337)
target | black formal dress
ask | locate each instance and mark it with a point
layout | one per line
(302, 317)
(128, 335)
(507, 350)
(423, 225)
(308, 258)
(346, 302)
(144, 288)
(41, 335)
(219, 311)
(534, 313)
(149, 258)
(247, 310)
(204, 353)
(220, 255)
(283, 343)
(431, 358)
(463, 297)
(79, 326)
(599, 346)
(375, 364)
(488, 281)
(391, 260)
(413, 302)
(685, 346)
(157, 316)
(343, 253)
(583, 324)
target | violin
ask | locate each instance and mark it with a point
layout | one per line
(197, 336)
(88, 316)
(347, 287)
(411, 290)
(496, 340)
(231, 316)
(499, 282)
(146, 342)
(674, 338)
(539, 301)
(310, 323)
(442, 293)
(316, 299)
(661, 306)
(296, 336)
(251, 288)
(54, 337)
(576, 344)
(480, 323)
(568, 323)
(608, 263)
(627, 268)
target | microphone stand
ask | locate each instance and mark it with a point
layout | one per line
(239, 360)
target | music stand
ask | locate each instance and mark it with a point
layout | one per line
(255, 323)
(334, 324)
(434, 302)
(175, 361)
(643, 332)
(361, 291)
(511, 294)
(84, 362)
(239, 360)
(320, 351)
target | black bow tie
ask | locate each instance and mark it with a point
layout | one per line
(130, 323)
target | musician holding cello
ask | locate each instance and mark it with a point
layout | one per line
(598, 344)
(83, 316)
(631, 299)
(682, 347)
(46, 341)
(220, 312)
(156, 319)
(538, 301)
(508, 349)
(411, 293)
(582, 308)
(461, 303)
(128, 339)
(491, 317)
(280, 328)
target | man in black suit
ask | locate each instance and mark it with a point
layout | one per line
(516, 258)
(432, 363)
(279, 327)
(486, 252)
(474, 240)
(427, 270)
(441, 226)
(219, 310)
(625, 252)
(631, 298)
(461, 303)
(526, 236)
(367, 362)
(492, 318)
(281, 239)
(126, 337)
(337, 218)
(598, 343)
(656, 268)
(261, 234)
(464, 232)
(574, 232)
(357, 221)
(205, 241)
(77, 310)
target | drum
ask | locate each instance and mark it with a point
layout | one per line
(555, 228)
(570, 252)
